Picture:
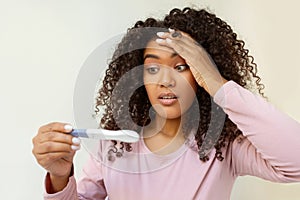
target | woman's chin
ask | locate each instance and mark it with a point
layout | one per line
(168, 112)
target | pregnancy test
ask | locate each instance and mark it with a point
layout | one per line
(128, 136)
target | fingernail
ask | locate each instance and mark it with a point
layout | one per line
(168, 40)
(68, 127)
(159, 40)
(176, 34)
(171, 30)
(160, 34)
(76, 140)
(75, 148)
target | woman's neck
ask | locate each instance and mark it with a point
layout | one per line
(163, 136)
(167, 127)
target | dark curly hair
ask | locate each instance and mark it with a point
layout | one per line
(123, 95)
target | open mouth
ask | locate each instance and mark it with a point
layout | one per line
(167, 98)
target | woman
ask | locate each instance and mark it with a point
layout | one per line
(172, 80)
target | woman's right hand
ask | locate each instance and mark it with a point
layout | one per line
(54, 149)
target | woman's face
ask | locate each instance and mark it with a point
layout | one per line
(169, 82)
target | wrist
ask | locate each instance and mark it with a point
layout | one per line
(212, 84)
(56, 183)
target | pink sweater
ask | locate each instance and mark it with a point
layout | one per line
(270, 150)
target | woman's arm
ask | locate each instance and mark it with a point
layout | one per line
(69, 192)
(271, 148)
(90, 186)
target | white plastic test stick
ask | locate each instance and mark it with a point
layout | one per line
(128, 136)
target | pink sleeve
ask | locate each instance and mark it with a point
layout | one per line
(271, 148)
(69, 192)
(91, 185)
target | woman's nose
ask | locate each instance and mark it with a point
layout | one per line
(167, 78)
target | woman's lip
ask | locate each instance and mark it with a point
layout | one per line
(167, 102)
(167, 94)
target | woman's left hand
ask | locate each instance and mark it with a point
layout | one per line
(201, 65)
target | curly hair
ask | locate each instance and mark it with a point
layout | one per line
(123, 95)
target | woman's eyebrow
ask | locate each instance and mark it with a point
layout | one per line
(156, 56)
(151, 56)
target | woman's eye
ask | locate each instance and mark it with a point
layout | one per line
(181, 68)
(152, 69)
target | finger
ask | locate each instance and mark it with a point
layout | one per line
(60, 142)
(56, 126)
(178, 46)
(56, 137)
(177, 35)
(49, 158)
(55, 147)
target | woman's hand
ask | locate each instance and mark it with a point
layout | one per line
(201, 65)
(54, 149)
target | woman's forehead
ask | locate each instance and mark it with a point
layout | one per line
(153, 46)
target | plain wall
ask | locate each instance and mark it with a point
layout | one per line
(43, 45)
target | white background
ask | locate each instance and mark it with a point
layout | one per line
(44, 43)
